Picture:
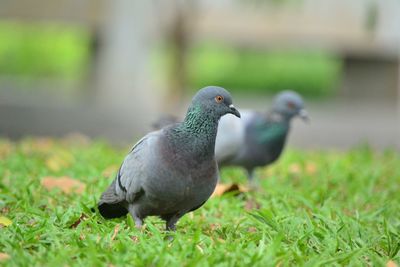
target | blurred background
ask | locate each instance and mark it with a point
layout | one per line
(108, 69)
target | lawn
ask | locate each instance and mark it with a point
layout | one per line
(314, 208)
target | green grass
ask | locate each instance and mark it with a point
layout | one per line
(317, 208)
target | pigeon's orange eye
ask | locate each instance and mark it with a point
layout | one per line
(219, 98)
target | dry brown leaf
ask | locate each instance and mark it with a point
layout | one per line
(135, 239)
(82, 236)
(59, 161)
(214, 226)
(41, 145)
(116, 230)
(252, 229)
(65, 183)
(80, 219)
(55, 163)
(295, 169)
(31, 222)
(4, 221)
(311, 168)
(251, 205)
(6, 147)
(5, 210)
(391, 264)
(221, 189)
(4, 256)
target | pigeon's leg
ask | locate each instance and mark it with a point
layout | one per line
(252, 180)
(250, 175)
(171, 222)
(138, 220)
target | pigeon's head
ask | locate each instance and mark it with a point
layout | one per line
(290, 104)
(214, 100)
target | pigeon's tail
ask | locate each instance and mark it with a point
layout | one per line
(111, 205)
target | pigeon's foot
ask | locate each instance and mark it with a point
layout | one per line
(169, 237)
(138, 220)
(139, 224)
(171, 222)
(170, 228)
(254, 184)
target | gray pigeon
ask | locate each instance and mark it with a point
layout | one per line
(257, 139)
(171, 171)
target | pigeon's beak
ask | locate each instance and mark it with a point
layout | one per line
(303, 114)
(234, 111)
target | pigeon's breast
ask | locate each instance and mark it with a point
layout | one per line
(179, 184)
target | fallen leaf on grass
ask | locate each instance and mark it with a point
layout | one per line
(5, 210)
(55, 163)
(221, 189)
(391, 264)
(31, 222)
(41, 145)
(311, 168)
(116, 230)
(80, 219)
(66, 184)
(252, 229)
(214, 226)
(59, 161)
(6, 147)
(135, 239)
(295, 169)
(4, 256)
(251, 205)
(4, 221)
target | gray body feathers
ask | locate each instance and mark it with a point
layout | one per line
(171, 171)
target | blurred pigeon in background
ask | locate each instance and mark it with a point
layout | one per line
(258, 139)
(171, 171)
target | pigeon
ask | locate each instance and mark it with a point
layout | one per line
(171, 171)
(258, 138)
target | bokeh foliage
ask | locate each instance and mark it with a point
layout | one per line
(312, 73)
(43, 50)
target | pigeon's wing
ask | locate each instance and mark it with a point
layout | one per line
(164, 122)
(264, 139)
(134, 169)
(267, 129)
(230, 137)
(126, 188)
